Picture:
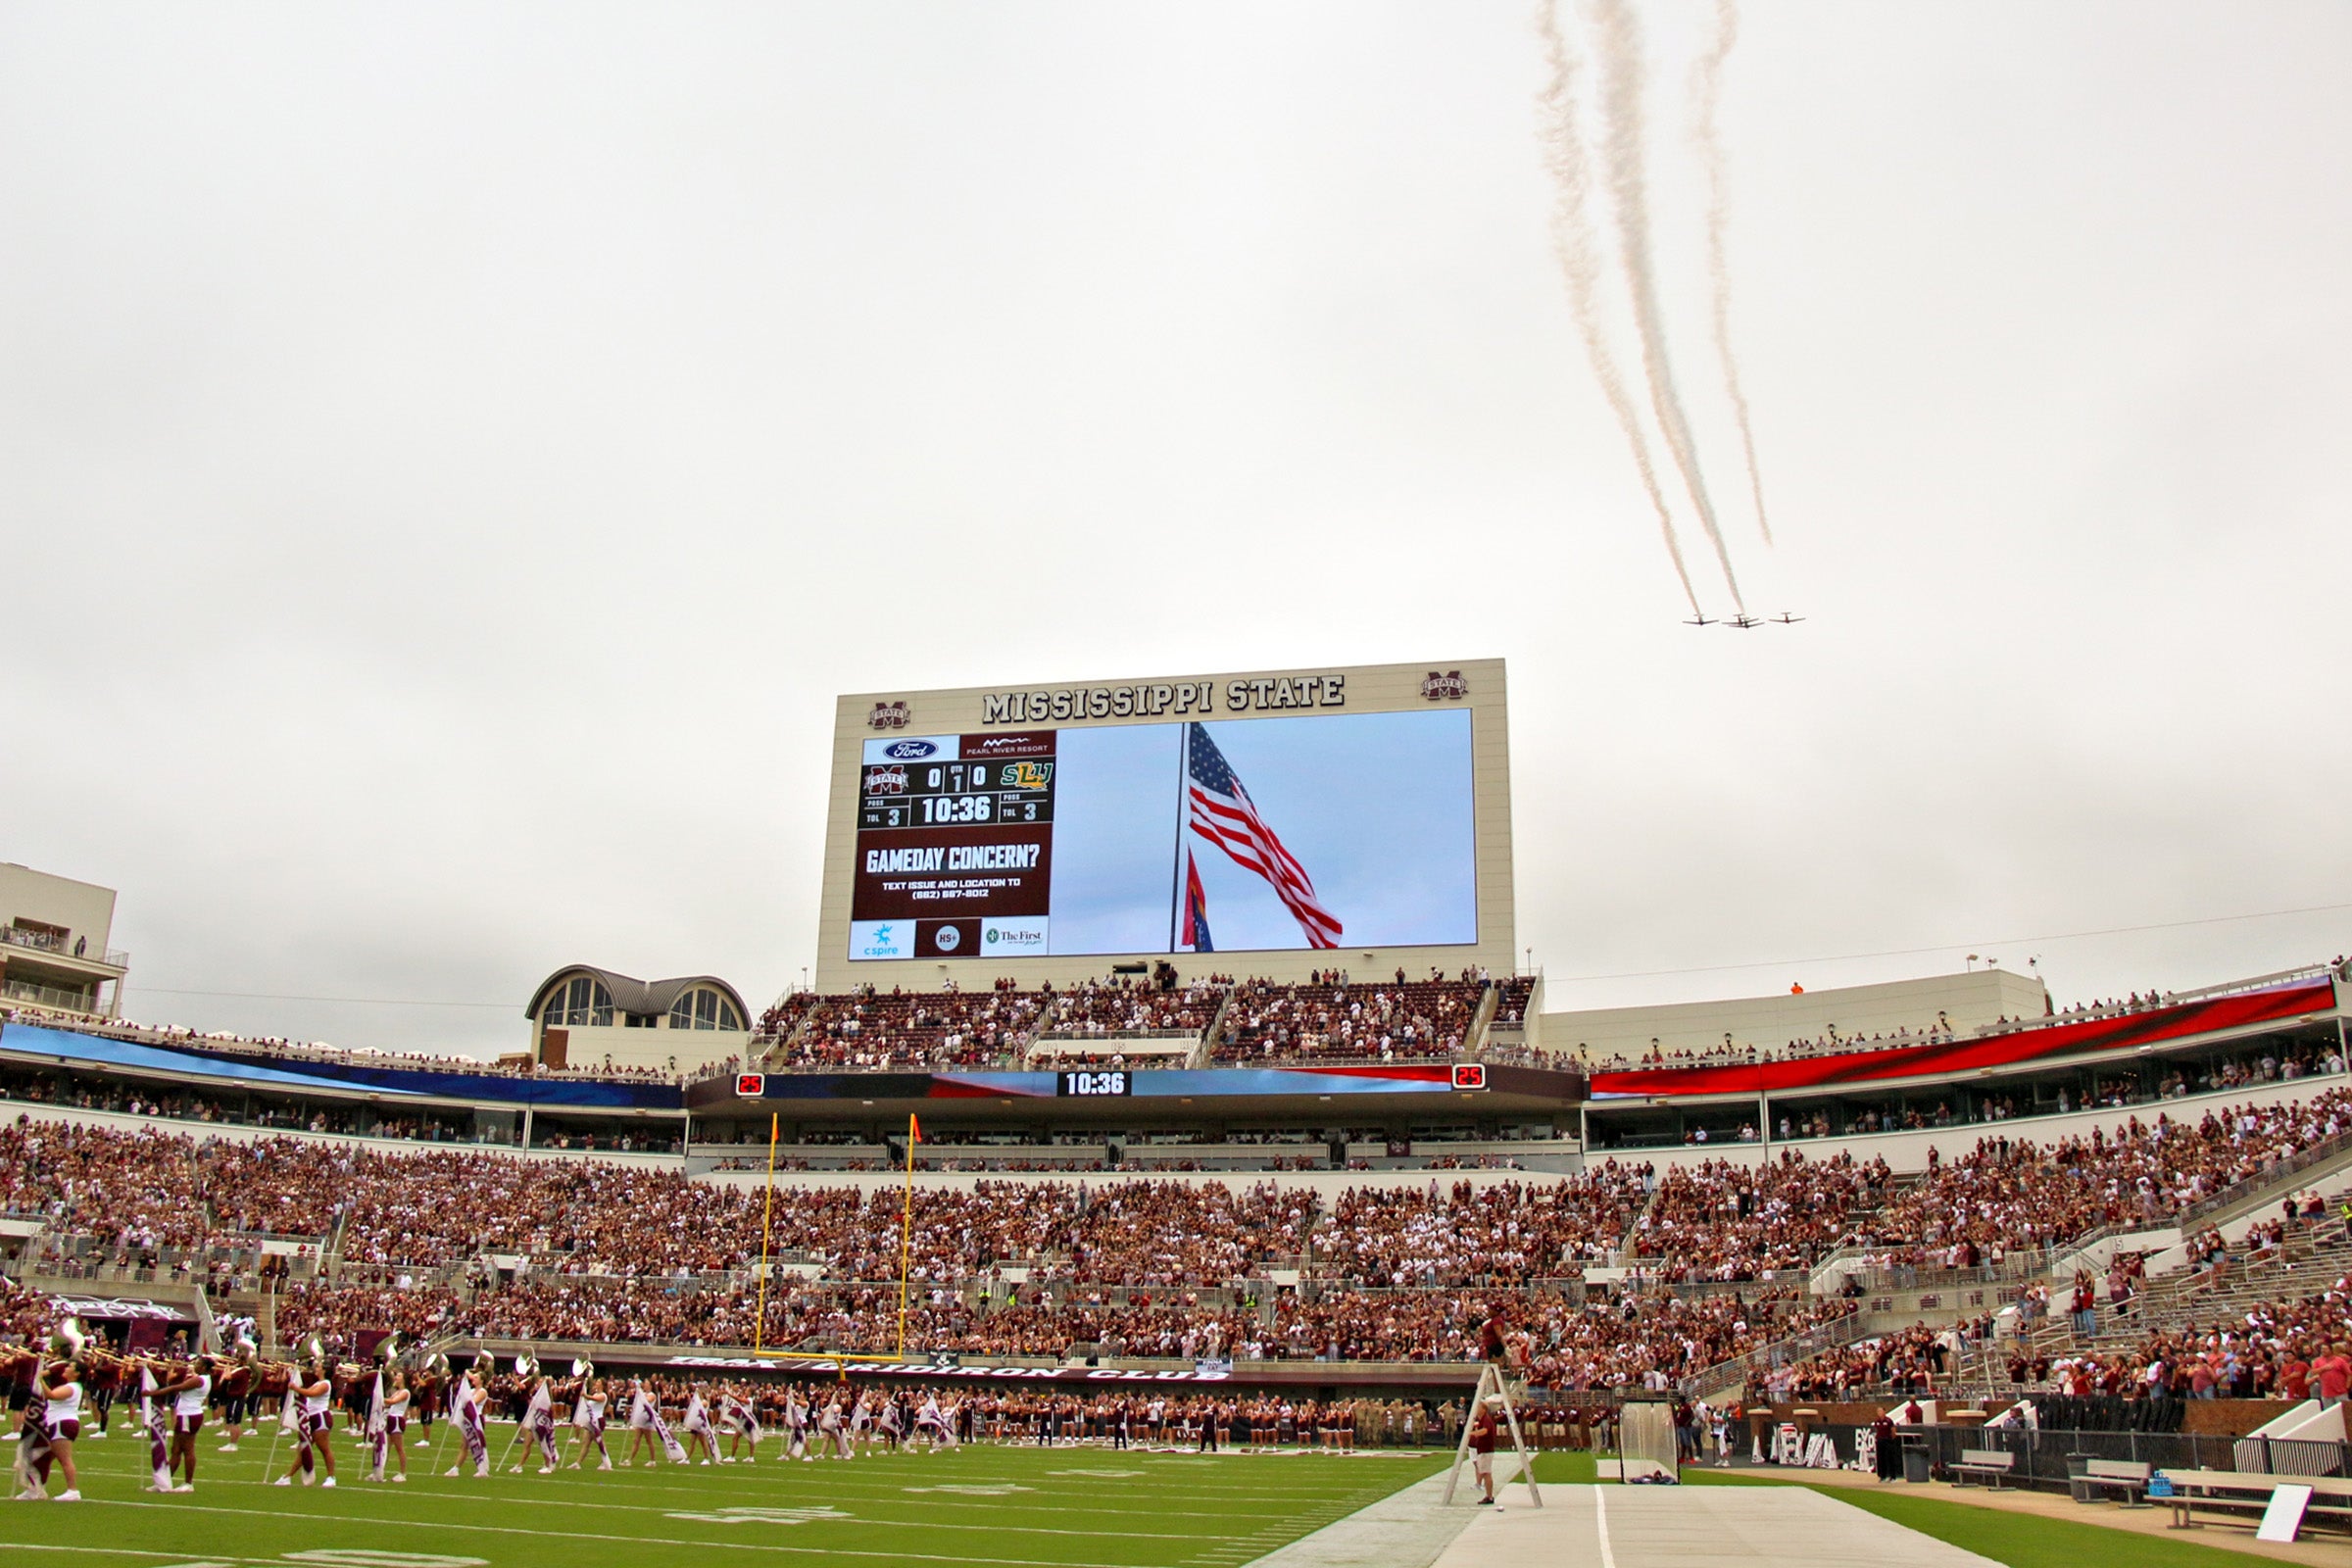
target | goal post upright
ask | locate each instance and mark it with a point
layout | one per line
(767, 1214)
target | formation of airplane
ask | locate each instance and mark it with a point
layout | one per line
(1743, 620)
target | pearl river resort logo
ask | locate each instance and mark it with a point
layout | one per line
(888, 715)
(1450, 685)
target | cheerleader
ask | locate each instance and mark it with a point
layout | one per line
(890, 1424)
(831, 1431)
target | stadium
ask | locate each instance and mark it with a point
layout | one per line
(1054, 785)
(1166, 1088)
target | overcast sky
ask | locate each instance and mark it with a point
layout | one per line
(451, 457)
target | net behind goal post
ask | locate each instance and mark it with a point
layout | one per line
(1645, 1443)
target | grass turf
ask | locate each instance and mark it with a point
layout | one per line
(980, 1505)
(2020, 1539)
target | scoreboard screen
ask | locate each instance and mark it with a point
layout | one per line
(1333, 830)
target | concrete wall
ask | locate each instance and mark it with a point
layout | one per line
(81, 907)
(651, 1048)
(1967, 999)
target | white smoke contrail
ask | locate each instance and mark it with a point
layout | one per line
(1620, 37)
(1707, 90)
(1572, 241)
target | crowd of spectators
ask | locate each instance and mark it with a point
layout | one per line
(1722, 1221)
(272, 1048)
(869, 1030)
(1116, 1007)
(2011, 1194)
(1332, 1019)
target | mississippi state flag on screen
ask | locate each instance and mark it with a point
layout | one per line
(1221, 812)
(1196, 909)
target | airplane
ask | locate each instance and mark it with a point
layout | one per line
(1744, 621)
(1699, 620)
(1785, 618)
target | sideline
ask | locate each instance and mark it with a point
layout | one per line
(2313, 1552)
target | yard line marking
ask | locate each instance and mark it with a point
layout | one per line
(460, 1490)
(638, 1541)
(1600, 1517)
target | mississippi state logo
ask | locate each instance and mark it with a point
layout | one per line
(887, 716)
(1449, 685)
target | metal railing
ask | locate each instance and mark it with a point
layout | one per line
(52, 997)
(43, 942)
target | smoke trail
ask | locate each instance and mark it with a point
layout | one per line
(1621, 111)
(1707, 90)
(1563, 149)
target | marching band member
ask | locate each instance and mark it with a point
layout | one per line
(236, 1388)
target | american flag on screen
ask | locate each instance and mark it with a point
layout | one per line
(1222, 813)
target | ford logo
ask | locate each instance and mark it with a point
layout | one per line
(908, 751)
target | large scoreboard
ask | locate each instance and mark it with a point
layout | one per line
(1305, 819)
(954, 850)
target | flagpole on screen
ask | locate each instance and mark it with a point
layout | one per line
(767, 1214)
(914, 1133)
(1184, 752)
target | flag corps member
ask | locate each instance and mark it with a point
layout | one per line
(468, 1397)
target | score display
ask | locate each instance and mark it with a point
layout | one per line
(954, 846)
(1331, 831)
(1101, 1084)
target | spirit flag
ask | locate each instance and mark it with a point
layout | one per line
(1196, 909)
(1222, 813)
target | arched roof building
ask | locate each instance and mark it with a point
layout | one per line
(585, 1016)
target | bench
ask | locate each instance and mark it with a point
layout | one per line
(2240, 1492)
(1990, 1463)
(2113, 1475)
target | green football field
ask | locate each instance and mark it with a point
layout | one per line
(981, 1505)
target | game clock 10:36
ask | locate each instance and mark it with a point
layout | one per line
(1097, 1085)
